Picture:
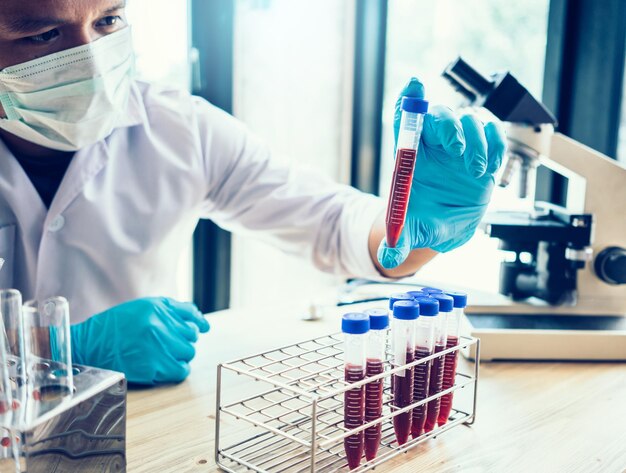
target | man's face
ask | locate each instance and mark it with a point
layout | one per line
(30, 29)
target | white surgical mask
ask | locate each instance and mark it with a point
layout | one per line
(70, 99)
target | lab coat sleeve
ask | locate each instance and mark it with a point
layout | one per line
(300, 212)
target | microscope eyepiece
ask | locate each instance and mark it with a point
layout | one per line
(467, 80)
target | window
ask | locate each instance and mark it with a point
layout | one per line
(161, 40)
(290, 53)
(422, 38)
(163, 58)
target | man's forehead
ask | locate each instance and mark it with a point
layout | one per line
(19, 13)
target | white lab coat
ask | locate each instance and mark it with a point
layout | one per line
(127, 205)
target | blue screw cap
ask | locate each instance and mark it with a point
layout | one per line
(398, 296)
(446, 303)
(379, 318)
(460, 298)
(428, 306)
(431, 290)
(406, 310)
(414, 105)
(355, 323)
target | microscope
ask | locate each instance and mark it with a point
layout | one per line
(563, 278)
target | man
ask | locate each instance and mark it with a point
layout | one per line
(103, 177)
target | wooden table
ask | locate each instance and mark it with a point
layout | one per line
(531, 417)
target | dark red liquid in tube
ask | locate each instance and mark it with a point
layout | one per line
(420, 391)
(436, 382)
(402, 388)
(449, 374)
(373, 408)
(399, 195)
(353, 414)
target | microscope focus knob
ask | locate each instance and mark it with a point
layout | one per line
(610, 265)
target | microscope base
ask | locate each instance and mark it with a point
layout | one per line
(547, 337)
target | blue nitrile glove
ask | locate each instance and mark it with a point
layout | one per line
(452, 183)
(149, 340)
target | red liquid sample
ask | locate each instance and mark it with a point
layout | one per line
(373, 408)
(420, 391)
(436, 382)
(402, 388)
(399, 195)
(353, 411)
(449, 373)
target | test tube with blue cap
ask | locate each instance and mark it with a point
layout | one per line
(449, 370)
(413, 110)
(376, 346)
(431, 290)
(405, 313)
(398, 296)
(424, 346)
(446, 304)
(355, 327)
(416, 294)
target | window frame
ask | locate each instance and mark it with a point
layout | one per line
(584, 70)
(212, 40)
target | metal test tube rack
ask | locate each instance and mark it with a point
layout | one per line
(292, 420)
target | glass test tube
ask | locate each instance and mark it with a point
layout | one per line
(405, 313)
(424, 346)
(376, 347)
(355, 327)
(48, 349)
(449, 370)
(411, 122)
(13, 331)
(11, 376)
(436, 370)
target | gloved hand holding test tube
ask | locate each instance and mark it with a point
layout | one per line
(411, 122)
(451, 184)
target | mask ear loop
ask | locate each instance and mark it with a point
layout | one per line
(8, 106)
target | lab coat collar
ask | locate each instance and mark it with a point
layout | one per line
(135, 109)
(84, 165)
(89, 161)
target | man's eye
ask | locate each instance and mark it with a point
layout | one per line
(109, 21)
(43, 37)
